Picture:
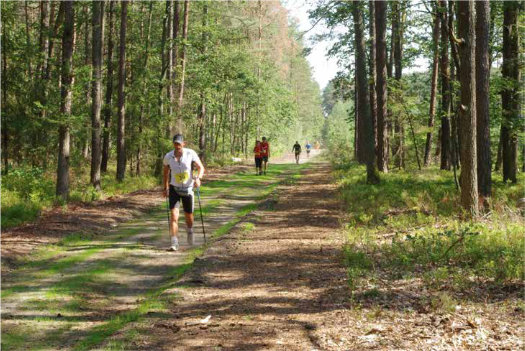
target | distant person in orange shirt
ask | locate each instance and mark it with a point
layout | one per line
(258, 157)
(265, 153)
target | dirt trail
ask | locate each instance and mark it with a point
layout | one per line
(271, 284)
(277, 282)
(58, 301)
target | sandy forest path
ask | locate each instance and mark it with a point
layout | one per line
(272, 283)
(76, 294)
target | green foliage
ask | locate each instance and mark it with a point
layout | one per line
(249, 90)
(19, 213)
(411, 225)
(27, 191)
(338, 132)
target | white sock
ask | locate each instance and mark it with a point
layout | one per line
(174, 241)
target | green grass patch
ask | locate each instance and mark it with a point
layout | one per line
(13, 339)
(211, 206)
(150, 303)
(411, 225)
(248, 227)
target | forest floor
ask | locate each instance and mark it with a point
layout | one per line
(272, 278)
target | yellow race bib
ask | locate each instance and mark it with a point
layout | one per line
(182, 177)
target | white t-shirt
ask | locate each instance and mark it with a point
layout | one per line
(181, 176)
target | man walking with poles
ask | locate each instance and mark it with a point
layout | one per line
(178, 185)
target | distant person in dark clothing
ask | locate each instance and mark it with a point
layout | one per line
(297, 150)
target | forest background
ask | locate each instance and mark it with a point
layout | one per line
(93, 92)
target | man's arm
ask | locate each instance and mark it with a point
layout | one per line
(200, 169)
(165, 180)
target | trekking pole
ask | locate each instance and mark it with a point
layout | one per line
(200, 210)
(168, 212)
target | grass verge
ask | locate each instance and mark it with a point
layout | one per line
(410, 227)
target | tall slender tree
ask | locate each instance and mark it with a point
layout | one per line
(108, 103)
(183, 59)
(483, 97)
(5, 132)
(170, 74)
(467, 112)
(202, 112)
(446, 95)
(373, 68)
(97, 53)
(433, 81)
(66, 94)
(144, 88)
(510, 94)
(398, 10)
(381, 85)
(121, 133)
(367, 128)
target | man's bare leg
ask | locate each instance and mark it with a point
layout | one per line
(189, 227)
(174, 220)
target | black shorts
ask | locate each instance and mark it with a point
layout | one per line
(258, 162)
(187, 201)
(307, 151)
(265, 158)
(297, 153)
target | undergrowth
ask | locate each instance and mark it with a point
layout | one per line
(26, 191)
(412, 226)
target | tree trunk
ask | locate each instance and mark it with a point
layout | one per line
(483, 98)
(446, 94)
(356, 123)
(5, 133)
(98, 53)
(499, 158)
(169, 62)
(28, 40)
(510, 94)
(45, 7)
(44, 39)
(202, 113)
(87, 88)
(144, 89)
(373, 71)
(381, 86)
(58, 23)
(397, 32)
(108, 108)
(372, 175)
(437, 154)
(433, 84)
(176, 27)
(68, 44)
(121, 136)
(163, 67)
(467, 112)
(173, 55)
(183, 65)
